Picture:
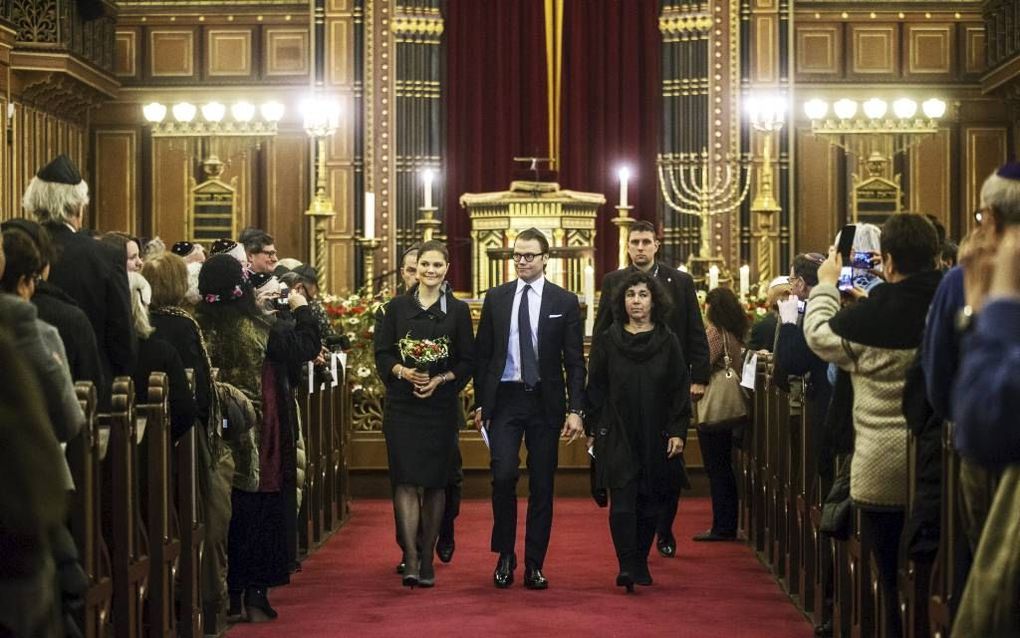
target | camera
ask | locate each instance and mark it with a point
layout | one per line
(281, 301)
(337, 342)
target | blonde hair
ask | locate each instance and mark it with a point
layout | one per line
(168, 275)
(53, 202)
(141, 295)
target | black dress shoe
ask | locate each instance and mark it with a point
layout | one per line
(712, 537)
(533, 579)
(666, 546)
(824, 630)
(503, 577)
(445, 551)
(401, 566)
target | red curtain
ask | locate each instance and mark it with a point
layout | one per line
(612, 107)
(496, 106)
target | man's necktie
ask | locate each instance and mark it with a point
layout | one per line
(529, 358)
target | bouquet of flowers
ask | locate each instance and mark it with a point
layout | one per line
(354, 316)
(423, 351)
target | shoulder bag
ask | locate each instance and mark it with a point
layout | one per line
(723, 406)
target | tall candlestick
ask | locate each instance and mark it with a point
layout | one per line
(369, 215)
(589, 299)
(428, 176)
(624, 174)
(713, 277)
(745, 280)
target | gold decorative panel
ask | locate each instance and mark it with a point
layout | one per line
(874, 49)
(171, 169)
(171, 53)
(125, 60)
(288, 191)
(766, 5)
(986, 150)
(818, 196)
(931, 176)
(819, 49)
(286, 51)
(114, 183)
(766, 30)
(228, 53)
(340, 6)
(976, 51)
(929, 49)
(339, 47)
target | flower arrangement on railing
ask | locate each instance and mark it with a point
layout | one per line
(354, 316)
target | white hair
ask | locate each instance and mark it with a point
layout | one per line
(1002, 195)
(289, 263)
(193, 296)
(51, 201)
(867, 239)
(153, 248)
(141, 296)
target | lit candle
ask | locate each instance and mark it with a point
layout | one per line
(745, 280)
(624, 174)
(589, 299)
(713, 277)
(428, 176)
(683, 268)
(369, 215)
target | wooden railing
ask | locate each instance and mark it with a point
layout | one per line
(780, 517)
(137, 510)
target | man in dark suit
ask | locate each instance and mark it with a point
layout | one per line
(684, 320)
(529, 334)
(92, 273)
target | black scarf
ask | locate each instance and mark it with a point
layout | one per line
(642, 346)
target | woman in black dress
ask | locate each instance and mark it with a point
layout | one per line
(422, 405)
(639, 410)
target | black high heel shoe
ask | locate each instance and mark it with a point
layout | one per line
(256, 604)
(427, 576)
(411, 578)
(624, 579)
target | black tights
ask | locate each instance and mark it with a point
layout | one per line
(632, 519)
(418, 510)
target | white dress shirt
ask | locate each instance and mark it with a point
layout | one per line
(512, 370)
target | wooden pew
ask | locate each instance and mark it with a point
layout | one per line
(914, 576)
(123, 527)
(806, 489)
(84, 454)
(342, 419)
(309, 515)
(944, 596)
(759, 460)
(161, 520)
(185, 488)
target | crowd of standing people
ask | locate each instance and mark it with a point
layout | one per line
(887, 332)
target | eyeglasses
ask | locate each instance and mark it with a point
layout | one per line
(525, 257)
(268, 253)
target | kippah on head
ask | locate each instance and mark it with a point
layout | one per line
(60, 171)
(1009, 170)
(222, 246)
(307, 274)
(182, 248)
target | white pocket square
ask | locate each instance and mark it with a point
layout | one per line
(555, 316)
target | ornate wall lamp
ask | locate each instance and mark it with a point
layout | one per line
(212, 204)
(875, 116)
(321, 120)
(767, 114)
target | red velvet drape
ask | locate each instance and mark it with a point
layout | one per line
(496, 105)
(612, 107)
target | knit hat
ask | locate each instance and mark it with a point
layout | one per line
(60, 171)
(221, 279)
(307, 274)
(182, 248)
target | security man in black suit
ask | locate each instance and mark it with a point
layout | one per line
(684, 320)
(529, 335)
(92, 273)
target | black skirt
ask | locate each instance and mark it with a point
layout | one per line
(257, 552)
(421, 439)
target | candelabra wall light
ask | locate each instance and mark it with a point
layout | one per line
(245, 119)
(321, 119)
(902, 117)
(767, 114)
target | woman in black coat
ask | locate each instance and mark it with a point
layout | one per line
(638, 398)
(423, 410)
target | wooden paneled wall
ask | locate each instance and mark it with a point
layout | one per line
(911, 51)
(200, 52)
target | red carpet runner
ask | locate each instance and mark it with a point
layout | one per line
(349, 588)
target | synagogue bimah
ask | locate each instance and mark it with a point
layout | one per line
(566, 217)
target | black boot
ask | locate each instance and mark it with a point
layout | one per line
(256, 603)
(235, 610)
(641, 574)
(623, 526)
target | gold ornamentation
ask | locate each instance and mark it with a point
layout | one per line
(684, 24)
(417, 25)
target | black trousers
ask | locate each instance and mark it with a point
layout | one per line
(519, 414)
(884, 529)
(717, 453)
(632, 521)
